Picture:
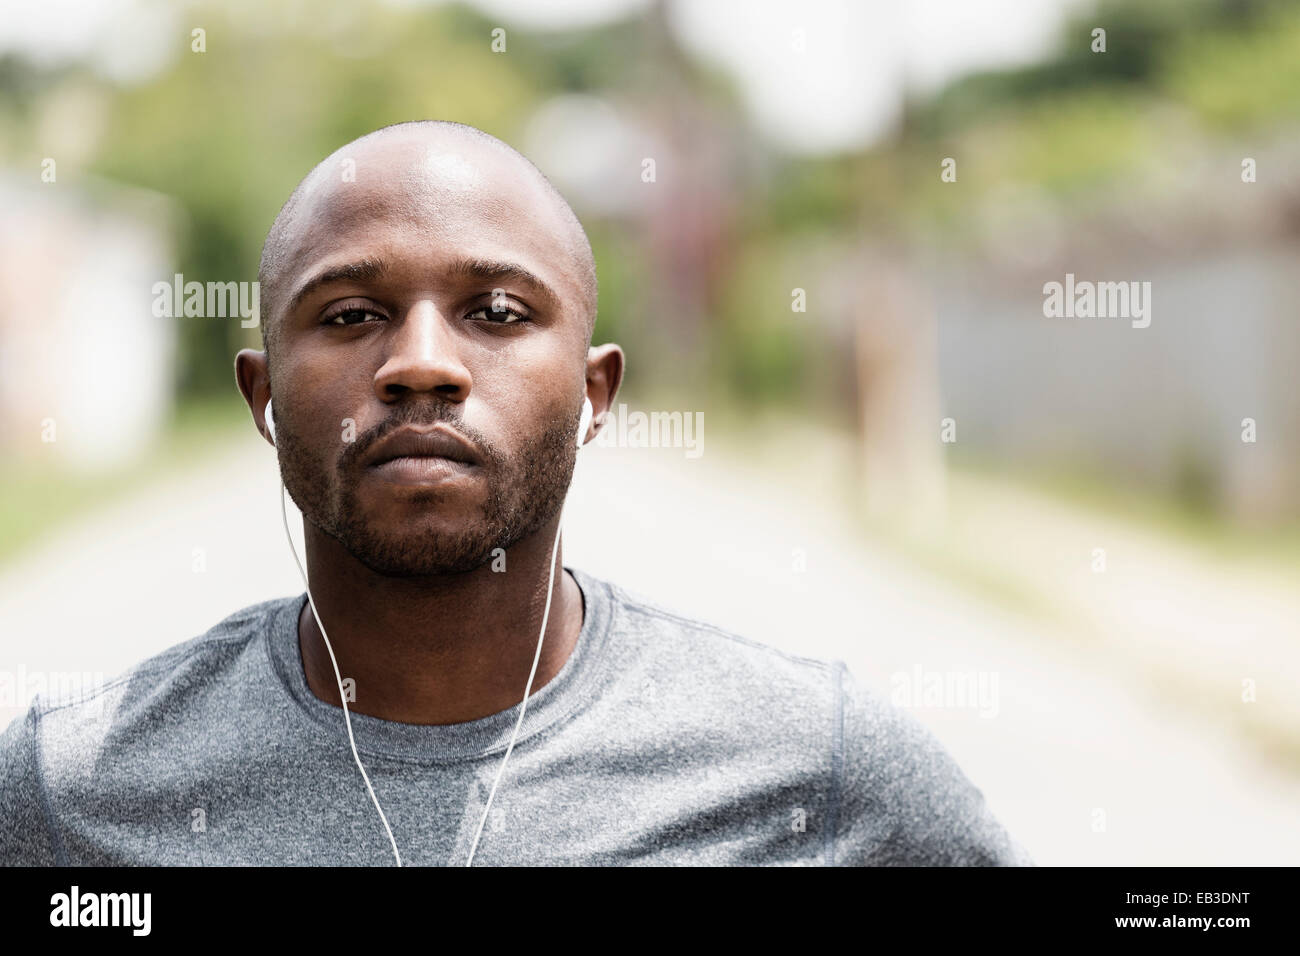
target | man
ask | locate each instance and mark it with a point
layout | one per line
(429, 301)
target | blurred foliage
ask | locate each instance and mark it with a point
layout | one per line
(192, 133)
(229, 133)
(1191, 69)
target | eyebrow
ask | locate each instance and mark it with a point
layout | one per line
(364, 270)
(485, 270)
(493, 270)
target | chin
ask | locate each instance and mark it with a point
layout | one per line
(422, 555)
(407, 537)
(424, 510)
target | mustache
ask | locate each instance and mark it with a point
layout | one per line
(418, 414)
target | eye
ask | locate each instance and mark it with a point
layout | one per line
(501, 314)
(350, 315)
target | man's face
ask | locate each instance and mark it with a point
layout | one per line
(412, 327)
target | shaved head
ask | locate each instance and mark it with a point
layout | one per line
(430, 301)
(427, 284)
(417, 162)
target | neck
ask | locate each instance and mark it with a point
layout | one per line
(442, 649)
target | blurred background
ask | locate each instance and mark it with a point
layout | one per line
(1069, 546)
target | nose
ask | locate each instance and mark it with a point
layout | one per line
(423, 357)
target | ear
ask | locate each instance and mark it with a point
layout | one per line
(254, 379)
(604, 376)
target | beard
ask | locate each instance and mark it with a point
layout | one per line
(524, 492)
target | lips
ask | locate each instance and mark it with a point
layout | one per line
(440, 442)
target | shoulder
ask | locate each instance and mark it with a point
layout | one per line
(25, 838)
(903, 798)
(71, 743)
(185, 669)
(729, 667)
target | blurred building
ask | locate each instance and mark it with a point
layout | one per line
(86, 369)
(1168, 407)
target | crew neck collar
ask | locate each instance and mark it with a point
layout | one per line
(562, 696)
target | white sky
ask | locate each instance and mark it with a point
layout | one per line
(840, 91)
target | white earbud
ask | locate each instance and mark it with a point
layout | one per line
(585, 423)
(270, 422)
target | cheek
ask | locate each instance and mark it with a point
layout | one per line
(524, 403)
(327, 391)
(319, 429)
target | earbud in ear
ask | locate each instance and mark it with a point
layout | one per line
(585, 423)
(270, 421)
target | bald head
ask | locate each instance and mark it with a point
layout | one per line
(432, 175)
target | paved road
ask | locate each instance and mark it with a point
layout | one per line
(1072, 754)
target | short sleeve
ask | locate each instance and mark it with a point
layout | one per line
(24, 827)
(902, 800)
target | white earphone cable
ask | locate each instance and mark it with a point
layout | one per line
(342, 696)
(523, 707)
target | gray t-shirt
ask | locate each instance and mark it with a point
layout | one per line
(661, 741)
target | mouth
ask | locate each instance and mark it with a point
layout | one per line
(421, 469)
(414, 456)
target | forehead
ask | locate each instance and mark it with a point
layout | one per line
(431, 200)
